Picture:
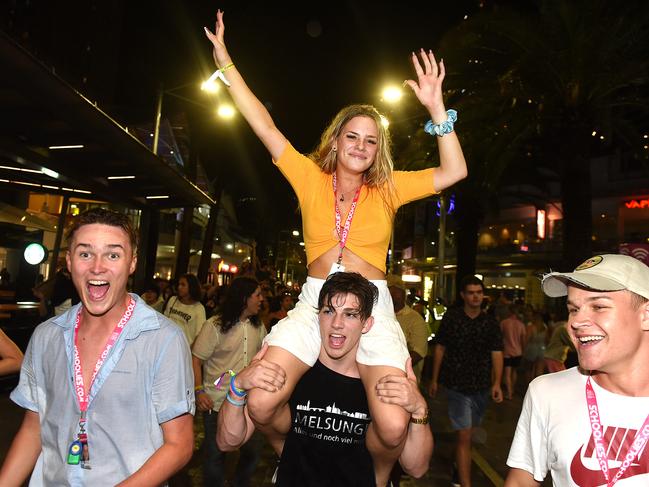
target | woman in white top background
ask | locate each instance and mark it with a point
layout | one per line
(185, 308)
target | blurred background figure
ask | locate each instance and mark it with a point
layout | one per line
(152, 297)
(64, 294)
(227, 341)
(559, 345)
(279, 306)
(412, 323)
(5, 279)
(535, 346)
(185, 308)
(514, 336)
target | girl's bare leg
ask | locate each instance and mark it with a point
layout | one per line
(266, 409)
(387, 432)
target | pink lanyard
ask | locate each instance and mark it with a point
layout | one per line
(601, 447)
(78, 376)
(348, 222)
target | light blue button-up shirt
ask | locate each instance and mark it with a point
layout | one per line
(146, 380)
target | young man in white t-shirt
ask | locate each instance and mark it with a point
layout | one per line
(595, 439)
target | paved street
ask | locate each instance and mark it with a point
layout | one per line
(491, 445)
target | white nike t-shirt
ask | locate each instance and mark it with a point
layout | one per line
(553, 432)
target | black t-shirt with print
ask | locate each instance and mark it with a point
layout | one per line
(468, 342)
(326, 443)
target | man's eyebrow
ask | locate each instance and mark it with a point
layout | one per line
(89, 246)
(593, 298)
(351, 310)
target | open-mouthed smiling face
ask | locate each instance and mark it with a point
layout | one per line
(341, 327)
(100, 259)
(607, 330)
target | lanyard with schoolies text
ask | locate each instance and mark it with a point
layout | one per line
(348, 222)
(601, 448)
(78, 451)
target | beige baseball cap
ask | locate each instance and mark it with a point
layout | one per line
(608, 272)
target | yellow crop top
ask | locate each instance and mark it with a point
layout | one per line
(371, 229)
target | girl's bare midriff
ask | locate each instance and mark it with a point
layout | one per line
(320, 267)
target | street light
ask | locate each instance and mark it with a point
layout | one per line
(392, 94)
(224, 111)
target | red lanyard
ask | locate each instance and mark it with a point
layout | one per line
(348, 222)
(601, 447)
(78, 376)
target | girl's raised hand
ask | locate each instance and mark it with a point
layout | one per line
(428, 87)
(220, 53)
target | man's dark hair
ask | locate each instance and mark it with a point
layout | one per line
(194, 286)
(342, 283)
(103, 216)
(470, 281)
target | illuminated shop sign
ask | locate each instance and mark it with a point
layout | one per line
(633, 204)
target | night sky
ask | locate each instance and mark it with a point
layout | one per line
(304, 63)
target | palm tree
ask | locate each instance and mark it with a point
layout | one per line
(535, 84)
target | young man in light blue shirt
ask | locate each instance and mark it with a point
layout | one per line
(108, 385)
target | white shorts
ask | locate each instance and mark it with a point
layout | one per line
(299, 332)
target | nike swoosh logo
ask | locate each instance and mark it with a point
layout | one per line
(585, 477)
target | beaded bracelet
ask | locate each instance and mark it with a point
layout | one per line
(441, 129)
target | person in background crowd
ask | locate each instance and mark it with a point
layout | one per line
(167, 289)
(186, 308)
(212, 299)
(279, 307)
(11, 358)
(348, 178)
(5, 279)
(468, 360)
(413, 325)
(588, 426)
(152, 297)
(227, 342)
(514, 336)
(559, 345)
(106, 386)
(64, 294)
(536, 334)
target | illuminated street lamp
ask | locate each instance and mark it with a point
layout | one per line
(392, 94)
(226, 111)
(210, 86)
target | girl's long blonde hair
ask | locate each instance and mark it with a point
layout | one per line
(379, 174)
